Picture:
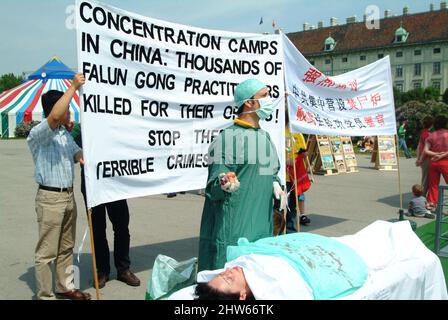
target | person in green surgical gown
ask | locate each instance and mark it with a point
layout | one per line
(242, 179)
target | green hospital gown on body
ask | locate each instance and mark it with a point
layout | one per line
(246, 212)
(330, 268)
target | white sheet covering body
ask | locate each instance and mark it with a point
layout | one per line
(400, 265)
(400, 268)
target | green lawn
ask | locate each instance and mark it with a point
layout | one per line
(426, 233)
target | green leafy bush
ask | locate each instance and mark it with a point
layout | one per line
(445, 96)
(420, 94)
(414, 112)
(23, 129)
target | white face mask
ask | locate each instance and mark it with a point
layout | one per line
(266, 108)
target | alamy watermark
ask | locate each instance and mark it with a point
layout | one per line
(372, 14)
(73, 277)
(70, 21)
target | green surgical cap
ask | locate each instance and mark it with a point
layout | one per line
(246, 90)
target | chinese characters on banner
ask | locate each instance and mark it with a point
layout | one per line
(357, 103)
(158, 93)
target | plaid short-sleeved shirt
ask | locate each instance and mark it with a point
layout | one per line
(53, 153)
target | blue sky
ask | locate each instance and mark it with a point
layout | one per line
(31, 31)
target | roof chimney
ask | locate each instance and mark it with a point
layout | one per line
(387, 13)
(333, 21)
(306, 26)
(443, 5)
(406, 11)
(431, 7)
(351, 19)
(279, 31)
(320, 24)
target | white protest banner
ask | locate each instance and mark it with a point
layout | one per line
(157, 94)
(356, 103)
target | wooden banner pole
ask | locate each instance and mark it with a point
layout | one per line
(399, 175)
(95, 273)
(310, 170)
(296, 194)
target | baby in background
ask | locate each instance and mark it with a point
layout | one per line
(418, 206)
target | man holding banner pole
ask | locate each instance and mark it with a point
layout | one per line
(242, 178)
(54, 154)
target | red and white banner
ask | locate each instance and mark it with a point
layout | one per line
(356, 103)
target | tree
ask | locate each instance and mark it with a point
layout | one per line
(9, 81)
(419, 94)
(414, 112)
(416, 104)
(431, 93)
(445, 96)
(397, 97)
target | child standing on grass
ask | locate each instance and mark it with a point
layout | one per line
(418, 205)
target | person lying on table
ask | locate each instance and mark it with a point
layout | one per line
(299, 266)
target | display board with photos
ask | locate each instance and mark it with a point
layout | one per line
(349, 154)
(336, 148)
(332, 154)
(325, 151)
(312, 152)
(320, 155)
(385, 153)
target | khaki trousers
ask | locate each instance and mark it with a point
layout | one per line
(56, 217)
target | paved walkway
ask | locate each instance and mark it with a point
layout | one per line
(337, 205)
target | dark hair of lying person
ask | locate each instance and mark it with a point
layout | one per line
(205, 292)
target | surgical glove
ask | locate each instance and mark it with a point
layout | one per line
(279, 194)
(229, 182)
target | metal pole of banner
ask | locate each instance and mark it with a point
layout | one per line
(295, 182)
(399, 174)
(95, 273)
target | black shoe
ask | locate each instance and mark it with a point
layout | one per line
(102, 279)
(73, 295)
(304, 220)
(129, 278)
(171, 195)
